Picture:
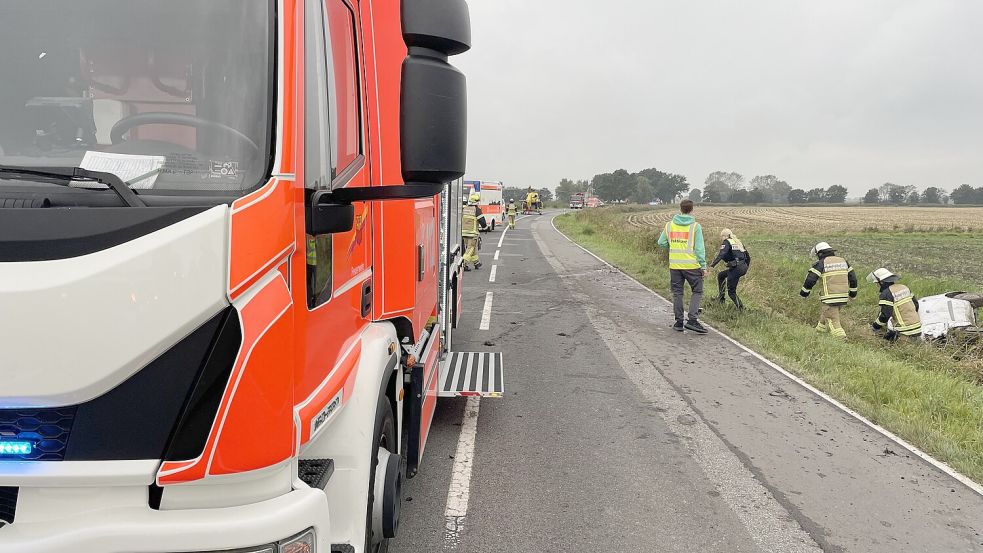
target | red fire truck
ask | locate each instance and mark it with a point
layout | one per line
(577, 200)
(229, 270)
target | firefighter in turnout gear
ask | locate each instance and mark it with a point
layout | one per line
(511, 210)
(839, 285)
(738, 260)
(898, 306)
(469, 231)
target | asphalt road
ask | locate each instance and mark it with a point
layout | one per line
(618, 434)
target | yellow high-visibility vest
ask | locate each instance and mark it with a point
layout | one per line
(902, 304)
(311, 250)
(835, 280)
(682, 246)
(469, 222)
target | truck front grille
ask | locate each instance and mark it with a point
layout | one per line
(48, 429)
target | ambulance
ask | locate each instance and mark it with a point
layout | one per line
(491, 204)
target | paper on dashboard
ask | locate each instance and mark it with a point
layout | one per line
(138, 172)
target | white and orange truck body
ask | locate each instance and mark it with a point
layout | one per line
(244, 349)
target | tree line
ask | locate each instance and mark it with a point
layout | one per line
(652, 184)
(894, 194)
(730, 187)
(642, 187)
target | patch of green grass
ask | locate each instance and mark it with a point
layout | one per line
(929, 395)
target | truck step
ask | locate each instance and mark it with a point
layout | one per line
(315, 472)
(472, 373)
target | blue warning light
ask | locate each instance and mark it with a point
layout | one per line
(9, 447)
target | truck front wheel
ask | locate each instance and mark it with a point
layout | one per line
(385, 482)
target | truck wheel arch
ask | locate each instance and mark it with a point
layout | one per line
(348, 439)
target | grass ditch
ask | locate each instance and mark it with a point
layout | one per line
(930, 396)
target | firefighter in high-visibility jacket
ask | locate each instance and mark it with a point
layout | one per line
(839, 285)
(898, 306)
(511, 210)
(469, 231)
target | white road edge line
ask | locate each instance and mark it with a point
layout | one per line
(491, 277)
(883, 431)
(486, 312)
(460, 488)
(502, 239)
(497, 253)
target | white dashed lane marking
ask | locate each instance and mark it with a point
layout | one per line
(486, 312)
(460, 488)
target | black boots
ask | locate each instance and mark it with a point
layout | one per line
(695, 326)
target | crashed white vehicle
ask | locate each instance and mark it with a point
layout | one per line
(952, 312)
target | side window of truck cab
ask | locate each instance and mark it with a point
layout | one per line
(346, 96)
(317, 143)
(332, 121)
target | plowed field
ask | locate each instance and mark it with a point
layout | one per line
(826, 219)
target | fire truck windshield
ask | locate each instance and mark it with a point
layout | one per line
(171, 96)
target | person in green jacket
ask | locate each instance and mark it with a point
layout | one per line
(687, 264)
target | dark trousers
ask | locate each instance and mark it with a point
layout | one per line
(731, 277)
(677, 278)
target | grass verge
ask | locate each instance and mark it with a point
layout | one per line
(927, 395)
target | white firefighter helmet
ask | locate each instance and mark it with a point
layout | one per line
(822, 246)
(881, 275)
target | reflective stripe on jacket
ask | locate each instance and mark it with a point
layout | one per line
(903, 311)
(682, 246)
(469, 221)
(834, 276)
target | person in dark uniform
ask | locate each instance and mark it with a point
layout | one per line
(733, 253)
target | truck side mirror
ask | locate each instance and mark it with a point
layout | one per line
(328, 217)
(433, 113)
(433, 102)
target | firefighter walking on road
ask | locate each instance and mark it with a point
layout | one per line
(511, 210)
(897, 306)
(687, 264)
(839, 285)
(738, 260)
(469, 231)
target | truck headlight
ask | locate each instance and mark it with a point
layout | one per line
(304, 542)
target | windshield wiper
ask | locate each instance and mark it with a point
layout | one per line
(77, 173)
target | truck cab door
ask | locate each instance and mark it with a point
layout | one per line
(338, 272)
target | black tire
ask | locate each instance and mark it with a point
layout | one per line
(385, 436)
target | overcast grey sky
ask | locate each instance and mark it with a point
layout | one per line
(821, 92)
